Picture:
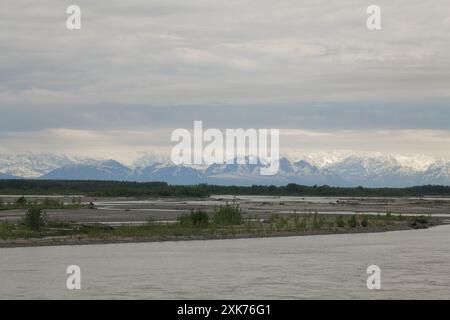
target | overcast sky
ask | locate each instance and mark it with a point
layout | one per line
(139, 69)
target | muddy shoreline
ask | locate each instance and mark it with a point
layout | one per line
(82, 240)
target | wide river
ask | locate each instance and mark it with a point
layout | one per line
(414, 264)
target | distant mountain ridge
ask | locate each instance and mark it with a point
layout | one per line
(101, 170)
(347, 171)
(35, 165)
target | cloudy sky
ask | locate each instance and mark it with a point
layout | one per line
(139, 69)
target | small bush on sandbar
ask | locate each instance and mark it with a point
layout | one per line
(35, 219)
(340, 222)
(198, 219)
(228, 215)
(352, 221)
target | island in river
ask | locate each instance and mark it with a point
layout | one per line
(70, 220)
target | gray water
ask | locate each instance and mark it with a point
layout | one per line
(414, 264)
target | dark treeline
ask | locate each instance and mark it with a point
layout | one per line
(162, 189)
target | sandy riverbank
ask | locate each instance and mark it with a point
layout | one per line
(85, 240)
(113, 210)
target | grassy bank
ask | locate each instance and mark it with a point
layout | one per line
(226, 222)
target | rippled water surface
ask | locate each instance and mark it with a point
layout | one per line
(415, 264)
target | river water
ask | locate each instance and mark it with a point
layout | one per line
(414, 264)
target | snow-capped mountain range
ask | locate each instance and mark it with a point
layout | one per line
(376, 170)
(30, 165)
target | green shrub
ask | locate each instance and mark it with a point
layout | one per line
(21, 201)
(352, 221)
(340, 222)
(419, 223)
(364, 221)
(35, 219)
(199, 219)
(317, 221)
(302, 224)
(421, 219)
(185, 220)
(388, 216)
(228, 215)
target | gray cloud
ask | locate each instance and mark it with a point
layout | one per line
(309, 65)
(200, 52)
(433, 115)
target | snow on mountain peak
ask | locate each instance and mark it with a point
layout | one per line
(30, 165)
(148, 159)
(339, 169)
